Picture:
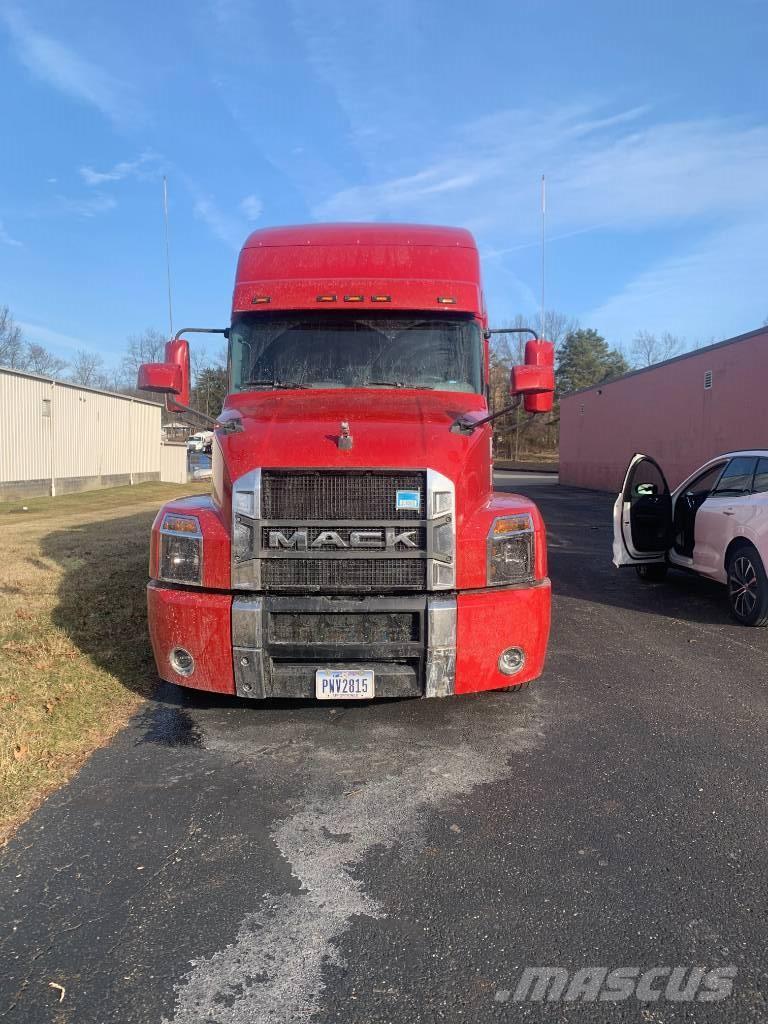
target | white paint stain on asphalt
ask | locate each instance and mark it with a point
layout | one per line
(272, 972)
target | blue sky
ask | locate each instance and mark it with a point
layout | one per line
(649, 121)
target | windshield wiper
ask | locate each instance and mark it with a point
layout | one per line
(396, 384)
(272, 384)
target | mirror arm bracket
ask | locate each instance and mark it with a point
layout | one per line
(462, 426)
(196, 412)
(201, 330)
(511, 330)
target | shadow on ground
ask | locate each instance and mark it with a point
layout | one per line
(102, 608)
(102, 594)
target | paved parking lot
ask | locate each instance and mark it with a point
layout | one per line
(404, 861)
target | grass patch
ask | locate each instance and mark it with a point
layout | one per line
(75, 660)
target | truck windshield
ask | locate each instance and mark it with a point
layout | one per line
(344, 350)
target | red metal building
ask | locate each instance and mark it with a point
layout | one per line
(682, 412)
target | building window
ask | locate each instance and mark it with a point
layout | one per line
(46, 407)
(707, 380)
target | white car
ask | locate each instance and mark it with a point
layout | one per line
(715, 524)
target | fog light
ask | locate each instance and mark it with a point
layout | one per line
(182, 661)
(511, 661)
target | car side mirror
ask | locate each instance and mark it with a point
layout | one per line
(171, 377)
(646, 490)
(535, 379)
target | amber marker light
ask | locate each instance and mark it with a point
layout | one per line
(512, 524)
(181, 524)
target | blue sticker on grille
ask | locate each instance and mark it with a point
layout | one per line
(408, 500)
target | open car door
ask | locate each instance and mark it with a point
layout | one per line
(642, 515)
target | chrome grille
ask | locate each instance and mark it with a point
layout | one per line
(360, 495)
(328, 497)
(277, 515)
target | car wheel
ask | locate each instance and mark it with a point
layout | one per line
(747, 587)
(515, 688)
(652, 573)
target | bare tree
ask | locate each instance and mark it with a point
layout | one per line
(39, 360)
(18, 354)
(705, 342)
(556, 326)
(198, 360)
(12, 346)
(88, 370)
(147, 347)
(648, 348)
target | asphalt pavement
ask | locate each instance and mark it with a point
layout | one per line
(230, 862)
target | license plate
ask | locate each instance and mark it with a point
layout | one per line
(343, 684)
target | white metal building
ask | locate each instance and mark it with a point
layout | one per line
(57, 437)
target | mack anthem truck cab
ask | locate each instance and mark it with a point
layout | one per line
(352, 545)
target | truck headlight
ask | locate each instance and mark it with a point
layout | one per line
(510, 549)
(181, 550)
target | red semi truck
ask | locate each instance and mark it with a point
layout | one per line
(353, 545)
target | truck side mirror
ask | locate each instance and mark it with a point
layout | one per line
(171, 377)
(535, 379)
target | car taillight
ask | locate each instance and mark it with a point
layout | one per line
(181, 550)
(511, 551)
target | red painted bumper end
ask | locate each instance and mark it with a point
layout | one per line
(198, 621)
(489, 621)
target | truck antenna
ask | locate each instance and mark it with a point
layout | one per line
(167, 254)
(542, 329)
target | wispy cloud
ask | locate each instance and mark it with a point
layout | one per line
(91, 206)
(717, 281)
(59, 66)
(226, 228)
(144, 166)
(354, 58)
(41, 335)
(252, 207)
(370, 202)
(628, 171)
(57, 205)
(6, 238)
(602, 171)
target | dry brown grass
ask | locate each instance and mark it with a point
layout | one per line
(75, 660)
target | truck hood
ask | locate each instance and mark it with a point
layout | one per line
(389, 429)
